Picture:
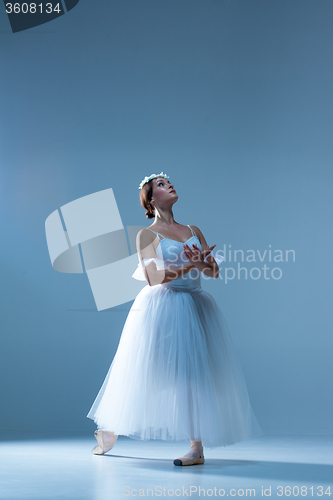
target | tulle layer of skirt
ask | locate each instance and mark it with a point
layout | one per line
(175, 374)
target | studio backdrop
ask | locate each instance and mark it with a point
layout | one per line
(232, 99)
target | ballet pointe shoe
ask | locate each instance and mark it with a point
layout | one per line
(194, 457)
(106, 441)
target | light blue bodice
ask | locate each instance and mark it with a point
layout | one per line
(169, 254)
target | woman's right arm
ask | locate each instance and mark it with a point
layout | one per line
(146, 242)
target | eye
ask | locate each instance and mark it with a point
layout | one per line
(160, 183)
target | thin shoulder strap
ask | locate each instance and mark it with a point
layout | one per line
(192, 230)
(160, 236)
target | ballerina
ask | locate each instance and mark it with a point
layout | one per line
(175, 375)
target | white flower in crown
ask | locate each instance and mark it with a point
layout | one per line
(152, 176)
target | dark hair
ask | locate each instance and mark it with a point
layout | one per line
(146, 195)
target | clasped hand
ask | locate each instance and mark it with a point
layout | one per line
(195, 256)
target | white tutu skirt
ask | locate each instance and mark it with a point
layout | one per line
(175, 374)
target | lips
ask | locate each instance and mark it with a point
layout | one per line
(172, 191)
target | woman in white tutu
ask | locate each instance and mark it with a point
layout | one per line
(175, 375)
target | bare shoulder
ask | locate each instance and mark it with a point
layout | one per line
(145, 236)
(146, 233)
(199, 235)
(146, 242)
(196, 230)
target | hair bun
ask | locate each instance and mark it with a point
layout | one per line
(145, 199)
(150, 215)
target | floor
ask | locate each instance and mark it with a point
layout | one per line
(270, 466)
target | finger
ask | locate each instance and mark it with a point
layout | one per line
(207, 252)
(188, 257)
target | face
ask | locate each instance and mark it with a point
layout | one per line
(164, 193)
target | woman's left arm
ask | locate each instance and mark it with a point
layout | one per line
(210, 267)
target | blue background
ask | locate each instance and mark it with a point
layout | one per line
(233, 100)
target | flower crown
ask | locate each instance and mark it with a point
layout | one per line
(152, 176)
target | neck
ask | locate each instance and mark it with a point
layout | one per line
(164, 216)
